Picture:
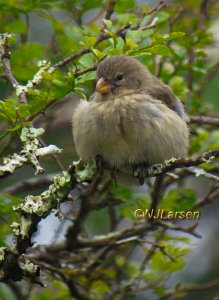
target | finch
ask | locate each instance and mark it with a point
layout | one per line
(132, 119)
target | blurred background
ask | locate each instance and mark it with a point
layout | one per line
(51, 30)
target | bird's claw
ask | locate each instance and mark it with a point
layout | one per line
(140, 171)
(99, 163)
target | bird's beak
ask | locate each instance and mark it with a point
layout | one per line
(103, 87)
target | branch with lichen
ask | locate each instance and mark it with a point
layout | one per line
(172, 164)
(30, 153)
(5, 57)
(35, 208)
(13, 265)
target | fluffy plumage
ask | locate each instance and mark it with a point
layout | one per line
(132, 118)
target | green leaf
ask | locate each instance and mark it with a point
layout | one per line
(98, 53)
(160, 50)
(123, 192)
(123, 5)
(162, 263)
(158, 38)
(126, 18)
(11, 130)
(100, 287)
(6, 293)
(60, 91)
(198, 142)
(90, 41)
(71, 38)
(24, 109)
(87, 60)
(80, 92)
(179, 200)
(24, 60)
(174, 35)
(134, 35)
(162, 16)
(16, 26)
(108, 24)
(178, 85)
(7, 110)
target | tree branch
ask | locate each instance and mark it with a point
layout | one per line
(5, 57)
(204, 120)
(170, 165)
(28, 184)
(29, 154)
(185, 289)
(32, 211)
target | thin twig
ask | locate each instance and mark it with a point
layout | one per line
(5, 56)
(29, 184)
(156, 192)
(189, 288)
(204, 120)
(54, 156)
(195, 160)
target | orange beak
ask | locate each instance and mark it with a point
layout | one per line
(103, 87)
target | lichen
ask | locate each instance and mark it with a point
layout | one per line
(38, 77)
(84, 171)
(31, 133)
(29, 153)
(156, 169)
(15, 228)
(51, 149)
(21, 229)
(6, 37)
(10, 163)
(169, 162)
(2, 253)
(27, 266)
(209, 159)
(40, 205)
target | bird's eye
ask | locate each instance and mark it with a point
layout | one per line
(119, 77)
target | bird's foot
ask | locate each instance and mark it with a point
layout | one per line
(113, 175)
(140, 171)
(99, 164)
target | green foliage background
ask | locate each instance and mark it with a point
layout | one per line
(178, 49)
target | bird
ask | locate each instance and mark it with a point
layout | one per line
(131, 120)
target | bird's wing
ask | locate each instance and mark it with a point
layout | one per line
(163, 93)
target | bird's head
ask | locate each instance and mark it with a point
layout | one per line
(119, 75)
